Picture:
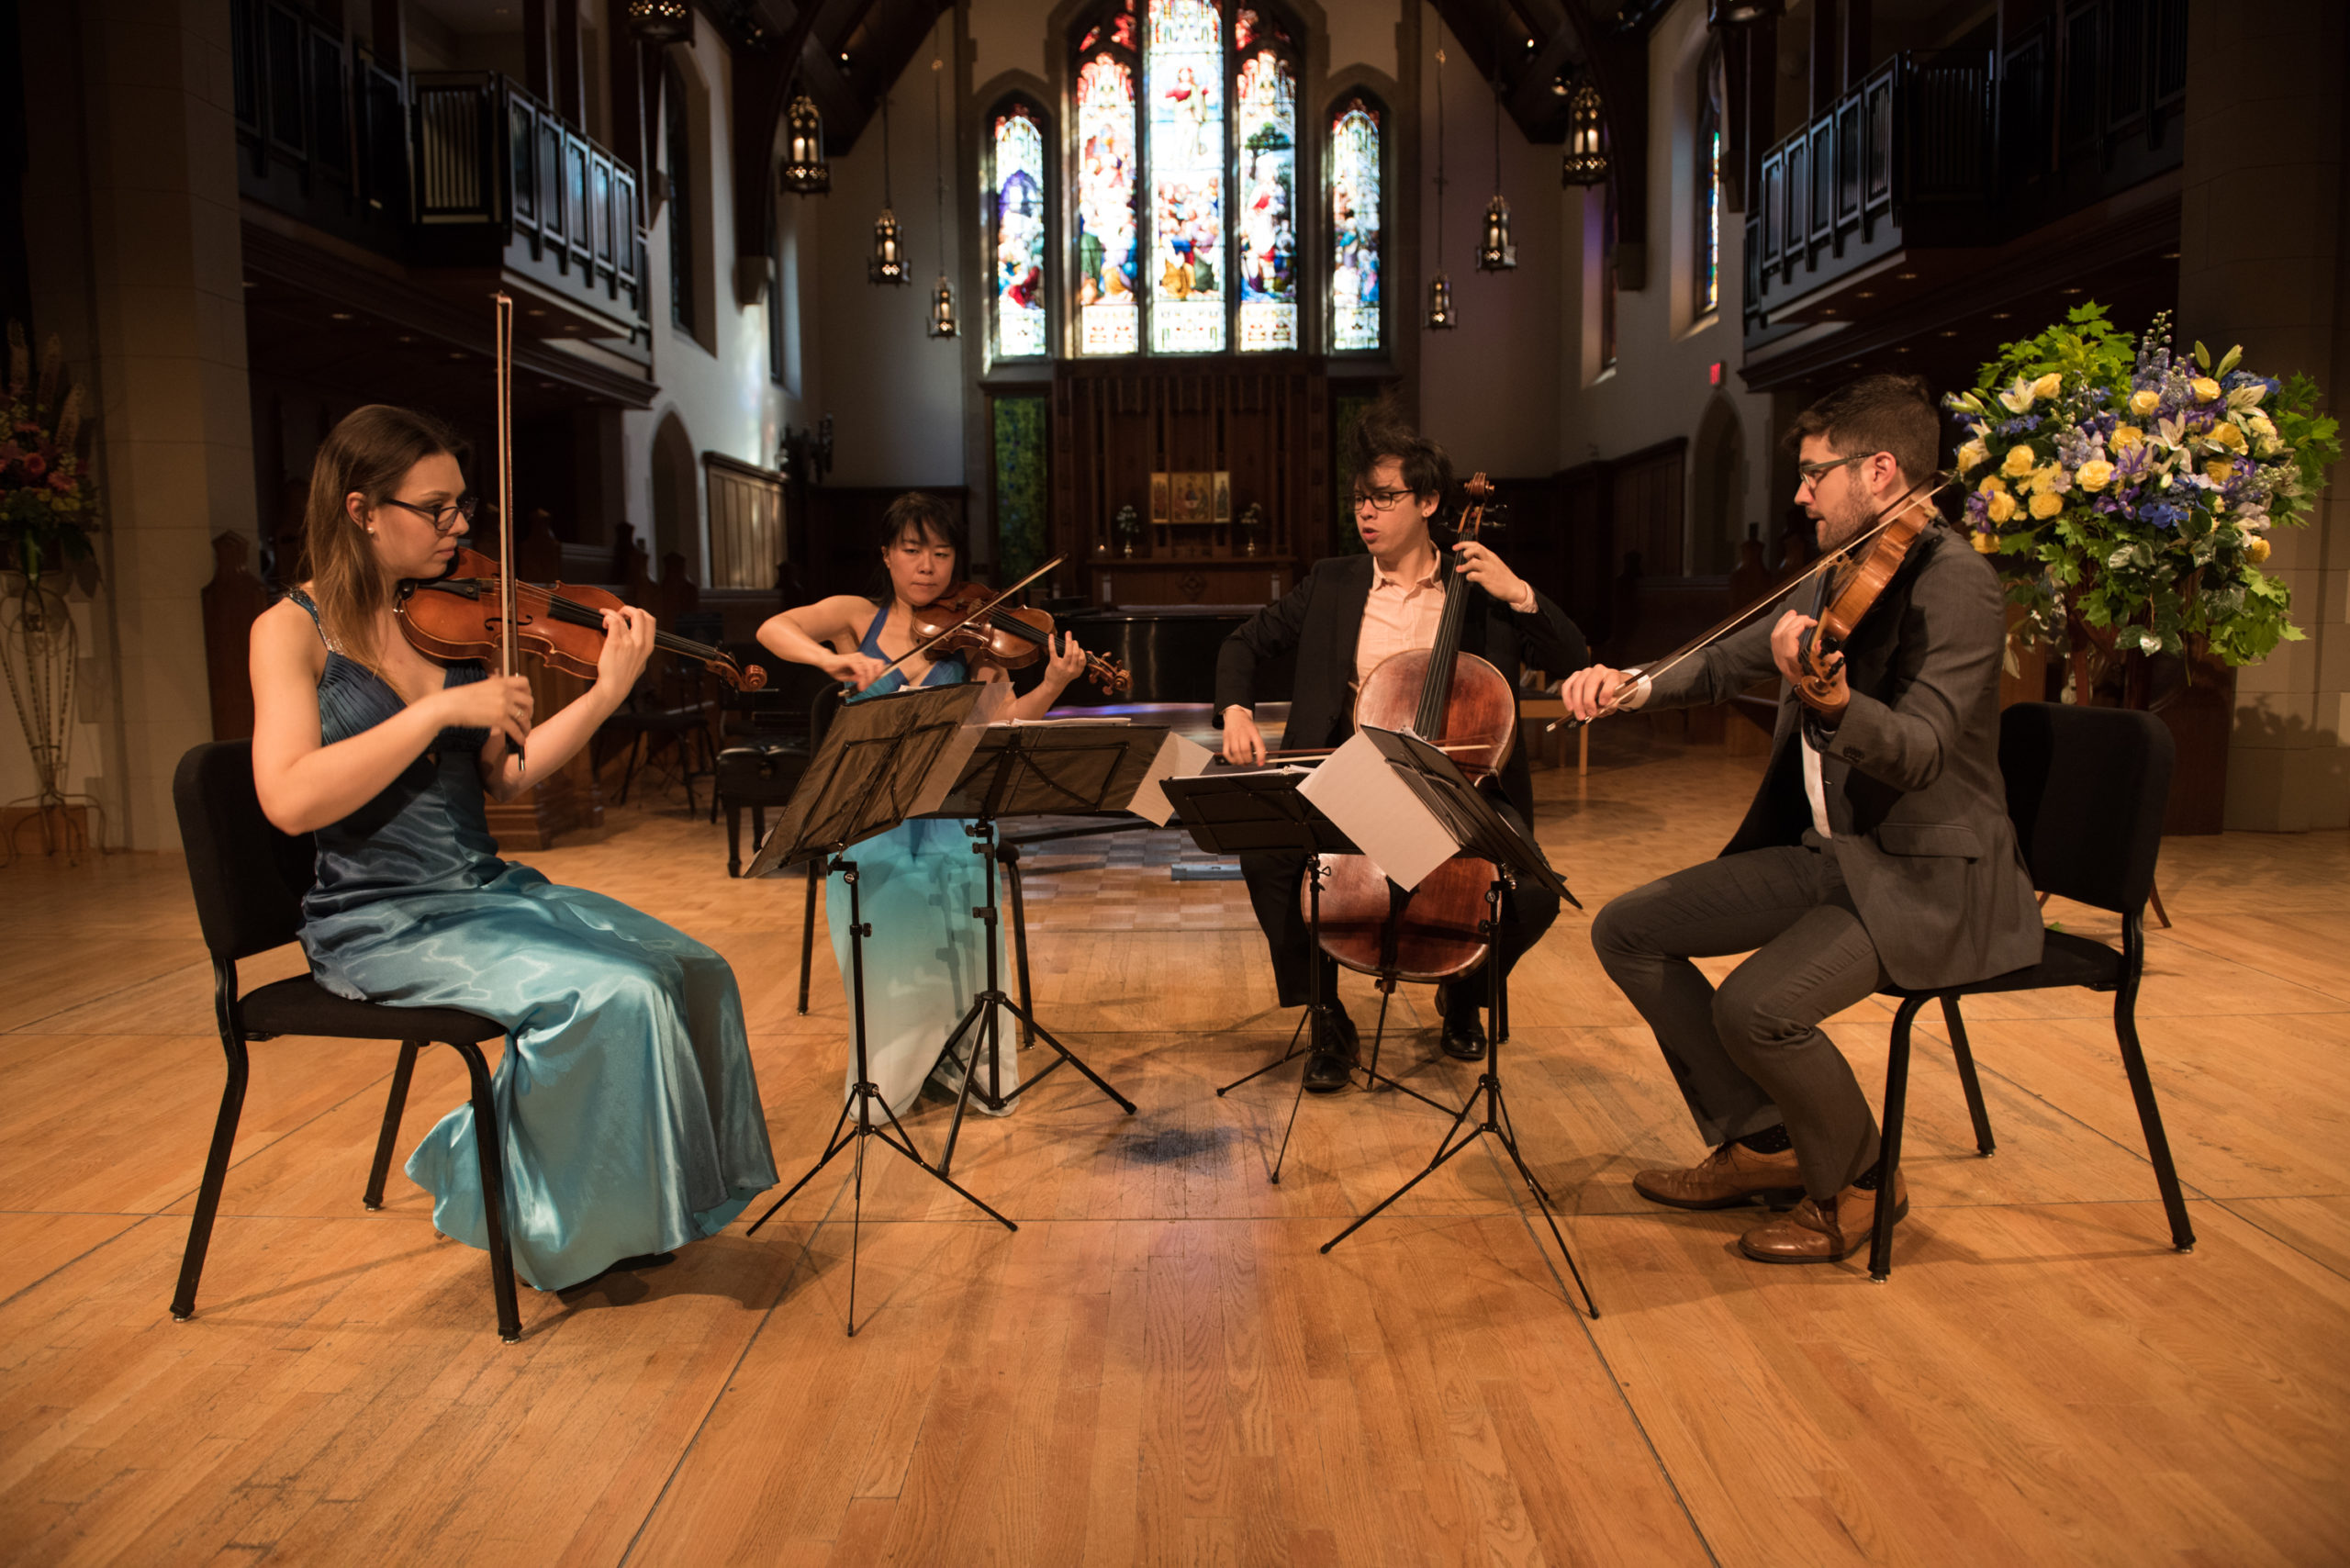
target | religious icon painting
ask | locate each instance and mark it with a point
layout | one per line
(1223, 495)
(1192, 498)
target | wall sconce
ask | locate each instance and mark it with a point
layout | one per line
(1587, 160)
(805, 172)
(660, 22)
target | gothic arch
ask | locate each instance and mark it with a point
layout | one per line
(1716, 489)
(677, 494)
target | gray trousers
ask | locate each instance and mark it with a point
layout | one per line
(1751, 1054)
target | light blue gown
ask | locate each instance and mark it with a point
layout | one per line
(917, 885)
(632, 1119)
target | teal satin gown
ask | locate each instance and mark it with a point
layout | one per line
(917, 885)
(632, 1119)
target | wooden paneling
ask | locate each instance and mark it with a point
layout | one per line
(1645, 495)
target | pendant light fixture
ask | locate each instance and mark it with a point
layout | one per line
(660, 22)
(1441, 317)
(1496, 254)
(1586, 158)
(887, 266)
(805, 172)
(942, 304)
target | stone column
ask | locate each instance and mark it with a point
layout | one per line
(166, 284)
(2262, 262)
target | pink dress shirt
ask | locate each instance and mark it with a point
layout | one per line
(1400, 616)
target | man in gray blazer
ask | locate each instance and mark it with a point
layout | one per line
(1878, 848)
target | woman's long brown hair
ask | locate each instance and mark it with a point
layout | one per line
(369, 452)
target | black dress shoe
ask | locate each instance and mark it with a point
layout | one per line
(1464, 1038)
(1337, 1048)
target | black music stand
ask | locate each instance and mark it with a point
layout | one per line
(1475, 828)
(882, 760)
(1230, 813)
(1047, 769)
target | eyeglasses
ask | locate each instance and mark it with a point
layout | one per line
(443, 519)
(1811, 472)
(1381, 500)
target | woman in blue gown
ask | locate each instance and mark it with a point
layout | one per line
(918, 883)
(630, 1119)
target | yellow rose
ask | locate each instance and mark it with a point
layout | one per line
(2050, 480)
(2204, 388)
(2220, 470)
(1973, 456)
(2144, 403)
(2048, 385)
(2227, 435)
(2045, 506)
(1987, 544)
(2018, 462)
(1991, 483)
(2126, 437)
(2255, 549)
(2095, 474)
(2003, 507)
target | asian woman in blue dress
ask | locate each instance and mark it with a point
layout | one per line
(630, 1119)
(919, 882)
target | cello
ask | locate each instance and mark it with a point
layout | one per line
(1461, 702)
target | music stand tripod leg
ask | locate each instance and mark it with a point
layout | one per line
(863, 1095)
(1495, 1119)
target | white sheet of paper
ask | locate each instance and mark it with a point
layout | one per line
(995, 700)
(1359, 790)
(1177, 758)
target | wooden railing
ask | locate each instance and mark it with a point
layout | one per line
(746, 537)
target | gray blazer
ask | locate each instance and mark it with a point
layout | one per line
(1910, 774)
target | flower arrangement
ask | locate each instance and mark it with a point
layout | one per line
(47, 506)
(2132, 491)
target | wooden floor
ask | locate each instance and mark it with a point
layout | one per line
(1160, 1367)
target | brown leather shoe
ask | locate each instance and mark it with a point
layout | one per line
(1731, 1175)
(1814, 1232)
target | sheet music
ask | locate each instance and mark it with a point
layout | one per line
(1359, 791)
(1177, 758)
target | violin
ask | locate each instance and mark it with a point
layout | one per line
(982, 627)
(1461, 703)
(456, 616)
(1860, 578)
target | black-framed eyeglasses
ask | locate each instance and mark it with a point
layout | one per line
(444, 518)
(1382, 500)
(1811, 472)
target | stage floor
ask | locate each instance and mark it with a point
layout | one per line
(1160, 1367)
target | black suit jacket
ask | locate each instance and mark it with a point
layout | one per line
(1321, 618)
(1910, 774)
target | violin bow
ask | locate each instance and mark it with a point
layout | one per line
(508, 607)
(974, 615)
(1915, 495)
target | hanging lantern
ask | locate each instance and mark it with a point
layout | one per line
(1586, 158)
(887, 266)
(1496, 254)
(941, 310)
(1441, 317)
(888, 262)
(805, 172)
(660, 22)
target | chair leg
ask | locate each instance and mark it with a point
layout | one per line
(2150, 1117)
(216, 1173)
(1966, 1078)
(734, 832)
(808, 931)
(488, 1145)
(393, 1105)
(1888, 1165)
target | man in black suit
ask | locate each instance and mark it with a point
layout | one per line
(1878, 848)
(1351, 613)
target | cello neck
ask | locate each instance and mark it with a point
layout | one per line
(1436, 692)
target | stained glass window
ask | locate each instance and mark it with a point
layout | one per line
(1706, 270)
(1109, 319)
(1183, 78)
(1266, 222)
(1018, 178)
(1354, 227)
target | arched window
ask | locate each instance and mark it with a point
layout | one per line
(1356, 186)
(1016, 186)
(1706, 186)
(1184, 155)
(677, 133)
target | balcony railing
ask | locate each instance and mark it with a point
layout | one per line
(444, 169)
(1967, 147)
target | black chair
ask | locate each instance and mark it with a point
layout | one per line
(249, 879)
(2086, 788)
